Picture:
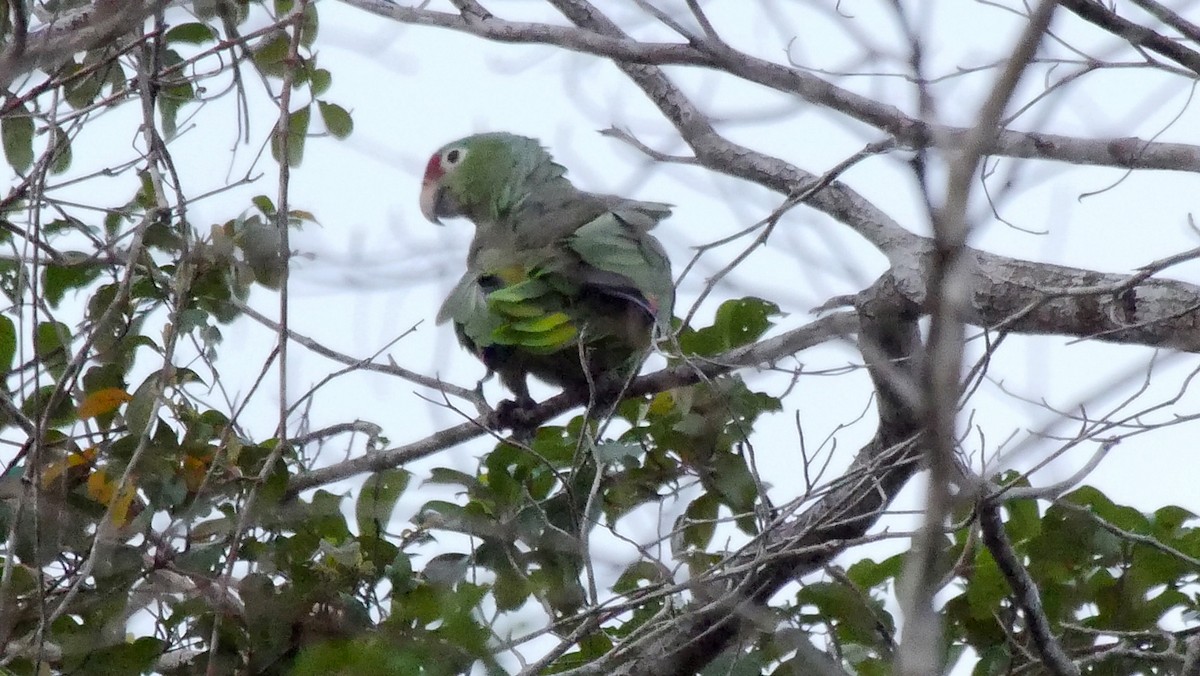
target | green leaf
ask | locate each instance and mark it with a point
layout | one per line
(264, 204)
(58, 279)
(63, 412)
(135, 657)
(636, 573)
(320, 81)
(16, 132)
(868, 574)
(61, 160)
(445, 475)
(271, 52)
(337, 120)
(8, 343)
(52, 341)
(297, 132)
(738, 322)
(447, 569)
(191, 33)
(700, 521)
(137, 412)
(309, 26)
(80, 91)
(378, 498)
(612, 451)
(986, 587)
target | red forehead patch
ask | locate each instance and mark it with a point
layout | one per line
(433, 170)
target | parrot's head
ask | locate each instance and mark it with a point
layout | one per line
(483, 176)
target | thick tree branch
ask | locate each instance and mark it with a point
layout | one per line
(1133, 153)
(76, 31)
(1164, 14)
(890, 342)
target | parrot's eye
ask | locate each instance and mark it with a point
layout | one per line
(453, 156)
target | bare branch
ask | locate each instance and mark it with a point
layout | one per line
(1137, 35)
(766, 351)
(1134, 153)
(996, 540)
(80, 30)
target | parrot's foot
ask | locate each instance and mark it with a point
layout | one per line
(514, 414)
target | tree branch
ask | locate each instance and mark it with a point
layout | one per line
(1026, 592)
(763, 352)
(79, 30)
(1139, 36)
(1131, 152)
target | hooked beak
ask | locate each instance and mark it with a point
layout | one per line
(431, 194)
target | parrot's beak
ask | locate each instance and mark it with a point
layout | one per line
(430, 196)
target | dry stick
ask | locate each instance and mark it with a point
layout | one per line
(182, 283)
(1189, 30)
(1139, 36)
(996, 540)
(920, 650)
(282, 132)
(766, 351)
(913, 133)
(363, 364)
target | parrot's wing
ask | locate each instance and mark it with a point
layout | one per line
(488, 310)
(467, 307)
(623, 260)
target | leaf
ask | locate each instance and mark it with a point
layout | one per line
(81, 90)
(701, 520)
(738, 322)
(337, 120)
(377, 500)
(264, 204)
(320, 81)
(8, 343)
(447, 569)
(297, 132)
(104, 491)
(102, 401)
(271, 52)
(611, 451)
(51, 342)
(74, 460)
(137, 413)
(58, 279)
(61, 160)
(191, 33)
(16, 132)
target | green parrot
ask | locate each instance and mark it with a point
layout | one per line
(565, 285)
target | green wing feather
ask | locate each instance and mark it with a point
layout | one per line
(562, 284)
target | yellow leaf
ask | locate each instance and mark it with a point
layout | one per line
(120, 512)
(195, 469)
(661, 404)
(100, 488)
(104, 491)
(105, 400)
(74, 460)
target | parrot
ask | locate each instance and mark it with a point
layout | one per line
(562, 284)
